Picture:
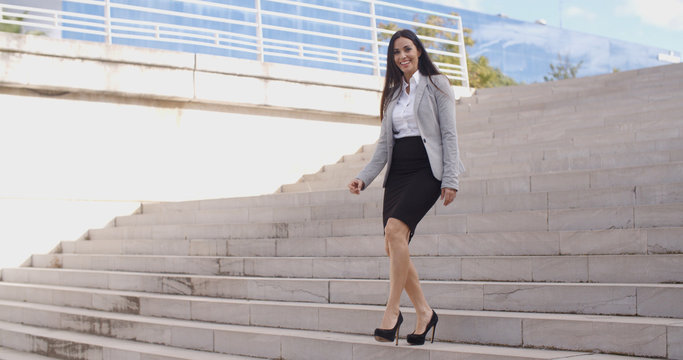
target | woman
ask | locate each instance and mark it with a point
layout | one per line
(418, 143)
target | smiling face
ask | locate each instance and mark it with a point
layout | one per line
(406, 56)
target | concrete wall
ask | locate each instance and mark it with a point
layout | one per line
(88, 131)
(74, 69)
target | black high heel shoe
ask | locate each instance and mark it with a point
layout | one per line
(388, 335)
(419, 339)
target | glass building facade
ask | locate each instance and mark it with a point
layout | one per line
(525, 50)
(521, 50)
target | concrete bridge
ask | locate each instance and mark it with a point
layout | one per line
(113, 73)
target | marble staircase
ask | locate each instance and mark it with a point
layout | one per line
(565, 241)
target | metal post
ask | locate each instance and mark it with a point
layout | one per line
(463, 55)
(107, 21)
(375, 43)
(259, 31)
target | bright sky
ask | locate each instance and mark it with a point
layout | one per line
(657, 23)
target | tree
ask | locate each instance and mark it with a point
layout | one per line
(483, 75)
(480, 73)
(11, 28)
(17, 29)
(563, 69)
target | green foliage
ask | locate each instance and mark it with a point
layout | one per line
(17, 29)
(11, 28)
(563, 69)
(391, 27)
(481, 74)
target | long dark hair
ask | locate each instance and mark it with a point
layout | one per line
(394, 75)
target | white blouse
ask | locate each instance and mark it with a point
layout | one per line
(403, 118)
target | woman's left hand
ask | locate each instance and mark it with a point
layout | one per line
(448, 195)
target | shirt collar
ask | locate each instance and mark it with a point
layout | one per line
(415, 79)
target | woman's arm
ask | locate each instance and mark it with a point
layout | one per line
(379, 158)
(452, 165)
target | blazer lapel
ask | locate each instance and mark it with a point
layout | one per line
(418, 94)
(389, 116)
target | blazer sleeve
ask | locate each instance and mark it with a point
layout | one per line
(379, 158)
(452, 165)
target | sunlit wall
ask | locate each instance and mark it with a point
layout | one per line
(70, 165)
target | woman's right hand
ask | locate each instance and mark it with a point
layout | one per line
(355, 186)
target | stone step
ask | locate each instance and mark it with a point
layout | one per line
(673, 146)
(538, 136)
(553, 138)
(579, 298)
(641, 337)
(591, 108)
(548, 104)
(475, 132)
(203, 231)
(54, 343)
(331, 210)
(475, 195)
(504, 184)
(357, 157)
(531, 93)
(371, 206)
(525, 118)
(562, 116)
(252, 312)
(341, 178)
(534, 137)
(514, 163)
(622, 217)
(565, 268)
(541, 137)
(510, 128)
(498, 167)
(289, 200)
(490, 327)
(585, 159)
(602, 242)
(267, 343)
(634, 122)
(320, 185)
(651, 129)
(542, 110)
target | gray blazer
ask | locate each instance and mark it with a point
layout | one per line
(435, 113)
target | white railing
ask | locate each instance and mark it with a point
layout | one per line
(356, 43)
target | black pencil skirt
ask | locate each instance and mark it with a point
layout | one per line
(411, 188)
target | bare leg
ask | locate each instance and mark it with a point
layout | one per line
(396, 235)
(417, 297)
